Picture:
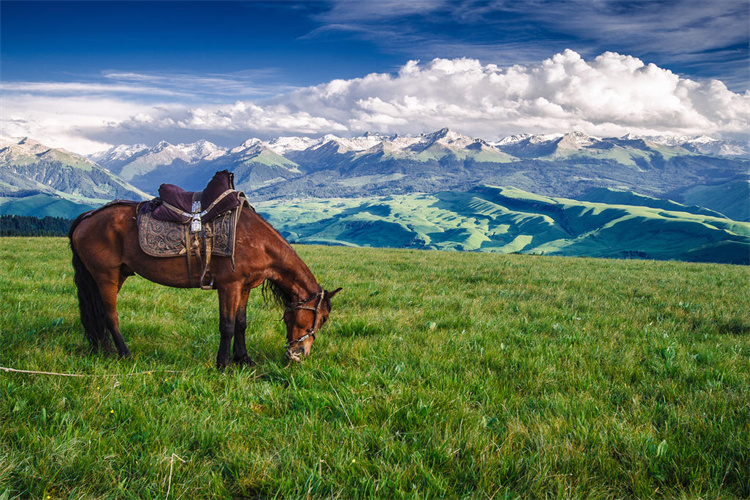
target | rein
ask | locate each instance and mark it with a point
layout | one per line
(316, 311)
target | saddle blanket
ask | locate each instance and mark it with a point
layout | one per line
(159, 238)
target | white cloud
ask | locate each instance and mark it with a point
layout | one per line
(610, 95)
(699, 37)
(65, 121)
(82, 88)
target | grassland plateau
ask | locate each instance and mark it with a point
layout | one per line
(440, 375)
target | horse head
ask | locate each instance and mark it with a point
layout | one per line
(303, 321)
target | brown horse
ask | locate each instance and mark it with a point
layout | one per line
(106, 251)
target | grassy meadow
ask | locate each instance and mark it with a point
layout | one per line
(439, 375)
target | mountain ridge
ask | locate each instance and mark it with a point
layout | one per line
(38, 180)
(557, 164)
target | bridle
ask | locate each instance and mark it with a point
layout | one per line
(316, 311)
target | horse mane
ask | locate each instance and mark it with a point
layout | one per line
(273, 291)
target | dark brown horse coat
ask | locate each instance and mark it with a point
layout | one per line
(106, 251)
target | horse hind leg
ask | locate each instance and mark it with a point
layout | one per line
(109, 298)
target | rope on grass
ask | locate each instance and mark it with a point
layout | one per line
(32, 372)
(171, 469)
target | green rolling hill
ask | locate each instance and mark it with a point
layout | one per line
(508, 220)
(44, 205)
(731, 198)
(619, 197)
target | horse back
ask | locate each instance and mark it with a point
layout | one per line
(100, 236)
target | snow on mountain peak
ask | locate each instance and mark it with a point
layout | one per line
(140, 158)
(704, 145)
(6, 141)
(577, 140)
(534, 139)
(447, 136)
(283, 145)
(364, 142)
(120, 152)
(202, 150)
(251, 146)
(511, 139)
(401, 142)
(630, 137)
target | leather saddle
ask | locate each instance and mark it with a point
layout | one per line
(178, 205)
(194, 224)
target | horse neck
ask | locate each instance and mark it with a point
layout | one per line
(287, 269)
(296, 278)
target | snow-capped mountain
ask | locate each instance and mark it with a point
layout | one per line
(332, 166)
(361, 143)
(531, 138)
(138, 160)
(119, 153)
(202, 150)
(564, 165)
(255, 164)
(35, 177)
(705, 145)
(315, 153)
(576, 141)
(284, 145)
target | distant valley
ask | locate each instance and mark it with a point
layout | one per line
(564, 194)
(508, 220)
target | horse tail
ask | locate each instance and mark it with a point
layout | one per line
(90, 302)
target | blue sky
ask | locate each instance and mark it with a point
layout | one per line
(257, 42)
(95, 73)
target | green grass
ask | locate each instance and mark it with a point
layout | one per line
(440, 374)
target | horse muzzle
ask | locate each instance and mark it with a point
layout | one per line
(296, 354)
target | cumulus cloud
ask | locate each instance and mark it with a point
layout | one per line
(612, 94)
(698, 37)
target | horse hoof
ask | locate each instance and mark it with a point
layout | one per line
(244, 361)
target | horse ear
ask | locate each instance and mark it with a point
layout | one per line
(331, 294)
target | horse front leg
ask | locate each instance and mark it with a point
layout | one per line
(240, 326)
(226, 331)
(229, 301)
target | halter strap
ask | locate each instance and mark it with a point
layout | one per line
(316, 310)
